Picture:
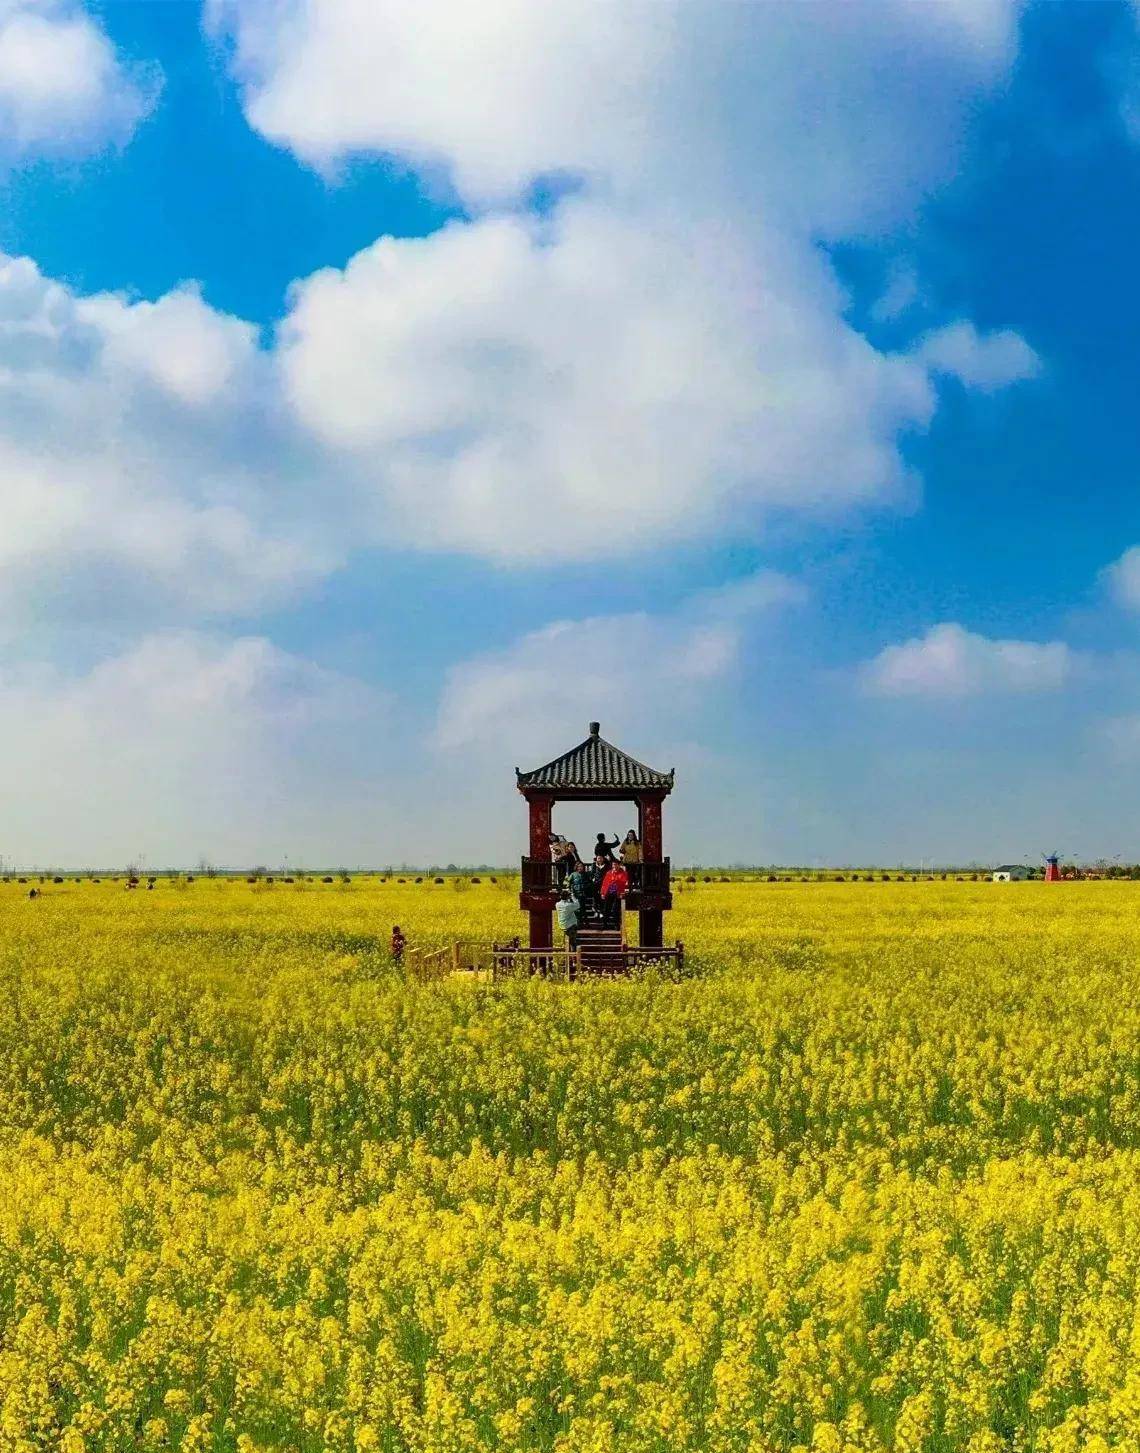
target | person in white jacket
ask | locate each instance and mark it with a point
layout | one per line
(569, 915)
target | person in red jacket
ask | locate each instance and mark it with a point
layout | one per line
(615, 885)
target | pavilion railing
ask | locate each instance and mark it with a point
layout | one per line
(649, 877)
(539, 876)
(513, 961)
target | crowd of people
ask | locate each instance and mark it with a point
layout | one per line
(592, 889)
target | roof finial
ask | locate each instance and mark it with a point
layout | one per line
(595, 728)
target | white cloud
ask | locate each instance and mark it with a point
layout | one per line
(1123, 579)
(951, 663)
(512, 389)
(669, 351)
(178, 343)
(981, 361)
(594, 385)
(142, 457)
(245, 746)
(832, 115)
(63, 88)
(642, 675)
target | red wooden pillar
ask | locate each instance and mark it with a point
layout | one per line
(541, 919)
(651, 920)
(649, 816)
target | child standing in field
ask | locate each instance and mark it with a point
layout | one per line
(399, 942)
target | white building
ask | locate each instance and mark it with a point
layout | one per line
(1012, 873)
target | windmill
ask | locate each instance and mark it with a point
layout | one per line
(1052, 871)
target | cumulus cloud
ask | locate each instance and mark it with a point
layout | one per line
(950, 662)
(245, 746)
(642, 674)
(142, 456)
(533, 380)
(63, 87)
(178, 343)
(808, 110)
(986, 362)
(670, 345)
(544, 385)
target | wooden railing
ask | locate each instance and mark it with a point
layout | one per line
(431, 963)
(539, 876)
(649, 877)
(511, 961)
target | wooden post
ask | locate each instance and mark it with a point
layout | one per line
(541, 919)
(652, 928)
(652, 919)
(540, 820)
(455, 957)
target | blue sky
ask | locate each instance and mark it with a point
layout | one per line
(381, 400)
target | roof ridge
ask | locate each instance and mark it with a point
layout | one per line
(595, 762)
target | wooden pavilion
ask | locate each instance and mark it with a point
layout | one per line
(597, 771)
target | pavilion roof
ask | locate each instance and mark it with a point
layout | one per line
(595, 765)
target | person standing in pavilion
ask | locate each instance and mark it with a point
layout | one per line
(560, 856)
(580, 884)
(615, 885)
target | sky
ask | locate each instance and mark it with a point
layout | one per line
(386, 392)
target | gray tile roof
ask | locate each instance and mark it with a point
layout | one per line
(595, 764)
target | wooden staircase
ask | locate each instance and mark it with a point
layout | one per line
(601, 950)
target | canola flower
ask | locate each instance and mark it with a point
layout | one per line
(870, 1180)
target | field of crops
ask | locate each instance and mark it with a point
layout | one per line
(869, 1180)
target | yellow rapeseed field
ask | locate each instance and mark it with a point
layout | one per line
(868, 1180)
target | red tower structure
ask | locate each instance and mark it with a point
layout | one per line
(596, 771)
(1052, 868)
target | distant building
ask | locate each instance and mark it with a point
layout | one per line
(1012, 873)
